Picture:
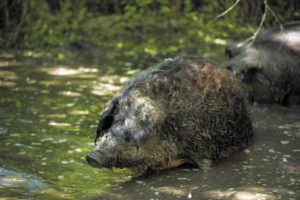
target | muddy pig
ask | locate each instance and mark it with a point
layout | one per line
(183, 110)
(269, 65)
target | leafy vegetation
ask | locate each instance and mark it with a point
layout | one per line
(148, 28)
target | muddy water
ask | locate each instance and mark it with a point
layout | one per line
(268, 169)
(48, 117)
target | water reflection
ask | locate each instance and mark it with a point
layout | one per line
(69, 71)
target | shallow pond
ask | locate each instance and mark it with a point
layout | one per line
(49, 114)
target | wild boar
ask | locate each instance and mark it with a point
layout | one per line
(269, 65)
(183, 110)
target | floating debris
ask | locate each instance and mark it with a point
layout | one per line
(284, 141)
(79, 112)
(247, 151)
(139, 182)
(70, 93)
(59, 124)
(182, 178)
(190, 195)
(271, 150)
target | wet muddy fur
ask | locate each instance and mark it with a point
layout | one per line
(183, 110)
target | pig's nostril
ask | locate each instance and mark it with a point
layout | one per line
(93, 162)
(93, 159)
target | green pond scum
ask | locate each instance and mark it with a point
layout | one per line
(48, 120)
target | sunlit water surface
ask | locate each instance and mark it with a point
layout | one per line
(48, 117)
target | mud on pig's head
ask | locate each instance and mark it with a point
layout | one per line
(128, 134)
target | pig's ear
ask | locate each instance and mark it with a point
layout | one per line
(105, 121)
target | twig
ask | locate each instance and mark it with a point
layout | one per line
(275, 16)
(17, 30)
(228, 10)
(263, 19)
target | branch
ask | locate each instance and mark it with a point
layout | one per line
(17, 29)
(228, 10)
(263, 19)
(275, 16)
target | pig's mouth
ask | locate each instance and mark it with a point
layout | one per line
(99, 160)
(137, 166)
(92, 162)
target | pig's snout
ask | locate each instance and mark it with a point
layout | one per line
(94, 159)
